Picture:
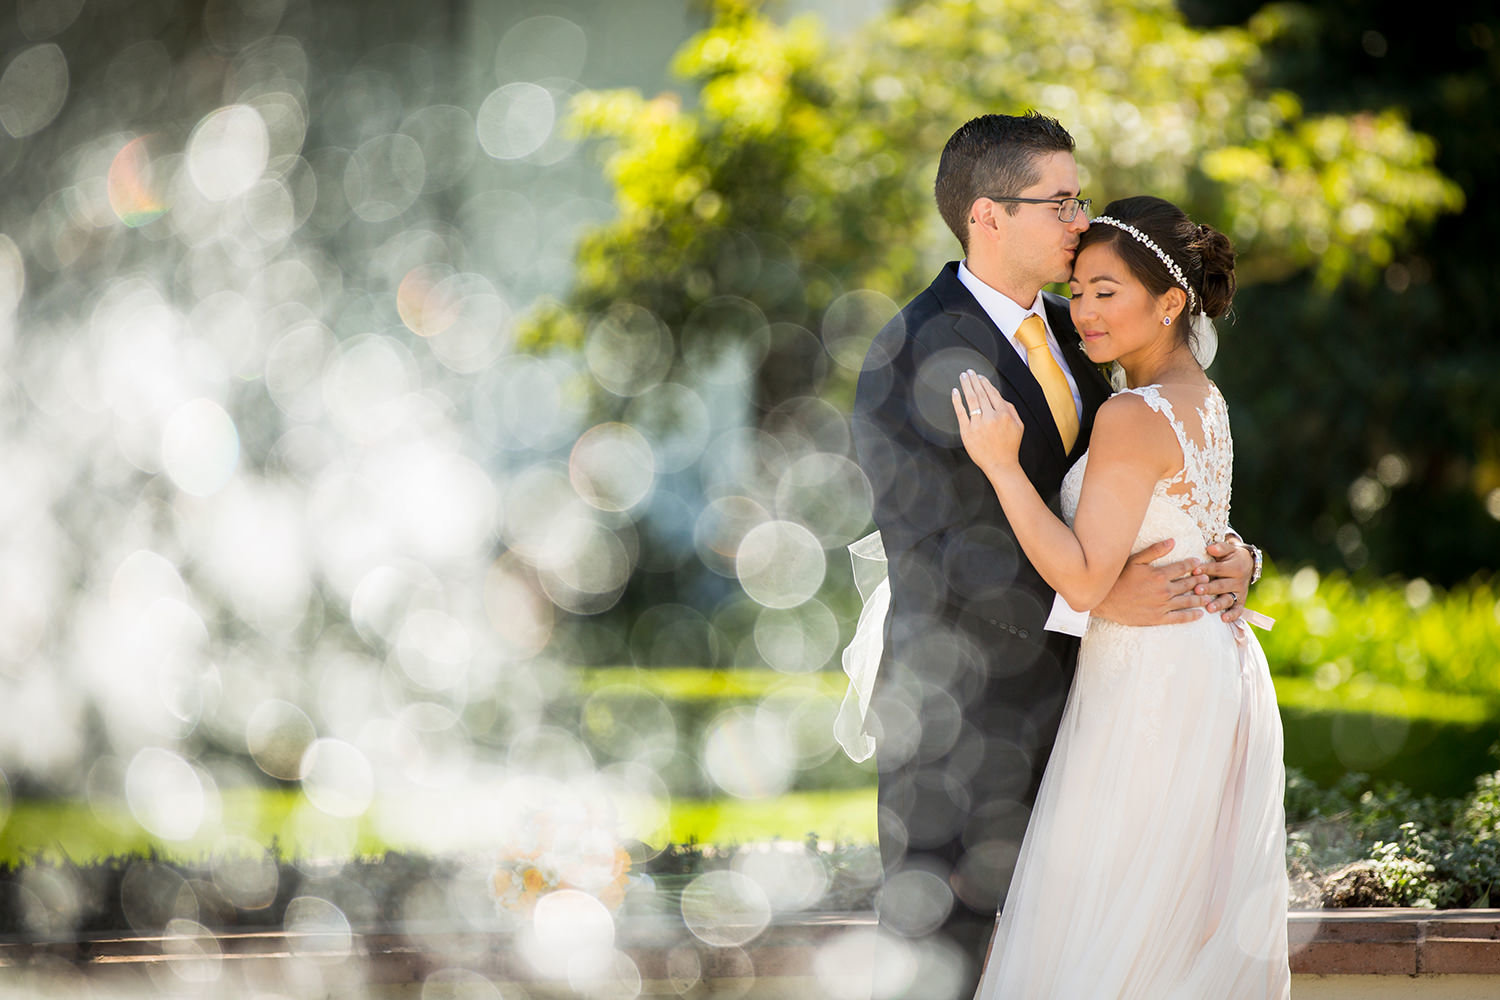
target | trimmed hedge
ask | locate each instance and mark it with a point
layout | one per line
(1356, 843)
(1432, 742)
(1348, 636)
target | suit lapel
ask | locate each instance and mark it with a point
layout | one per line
(1025, 391)
(974, 325)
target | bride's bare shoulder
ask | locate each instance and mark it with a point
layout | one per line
(1129, 426)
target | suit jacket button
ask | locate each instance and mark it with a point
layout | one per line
(1013, 630)
(1025, 634)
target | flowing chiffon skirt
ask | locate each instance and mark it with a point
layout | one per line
(1154, 864)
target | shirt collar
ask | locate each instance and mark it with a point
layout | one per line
(1001, 308)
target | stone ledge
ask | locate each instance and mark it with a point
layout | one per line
(1367, 942)
(1405, 942)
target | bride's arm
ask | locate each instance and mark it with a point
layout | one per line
(1130, 450)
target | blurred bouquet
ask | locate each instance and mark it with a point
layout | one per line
(547, 852)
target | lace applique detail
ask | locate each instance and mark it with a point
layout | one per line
(1190, 507)
(1202, 488)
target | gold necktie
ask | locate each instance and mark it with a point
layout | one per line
(1044, 368)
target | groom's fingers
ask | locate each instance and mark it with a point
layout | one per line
(1227, 596)
(1188, 573)
(1151, 553)
(1182, 605)
(1235, 561)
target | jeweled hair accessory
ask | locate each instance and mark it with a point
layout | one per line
(1205, 340)
(1166, 258)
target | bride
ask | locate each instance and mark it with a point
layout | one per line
(1153, 865)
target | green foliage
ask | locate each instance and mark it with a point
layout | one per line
(1370, 677)
(1397, 679)
(1401, 849)
(847, 814)
(74, 833)
(63, 829)
(697, 683)
(1362, 639)
(781, 211)
(1381, 393)
(804, 169)
(43, 899)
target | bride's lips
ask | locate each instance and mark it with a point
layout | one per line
(1091, 335)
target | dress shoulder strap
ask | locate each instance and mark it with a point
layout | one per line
(1202, 485)
(1154, 398)
(1161, 404)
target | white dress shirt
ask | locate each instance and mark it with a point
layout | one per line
(1007, 314)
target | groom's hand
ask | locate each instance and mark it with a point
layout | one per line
(1156, 595)
(1229, 578)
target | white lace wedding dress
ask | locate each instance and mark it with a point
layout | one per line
(1154, 863)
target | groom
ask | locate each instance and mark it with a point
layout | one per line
(979, 651)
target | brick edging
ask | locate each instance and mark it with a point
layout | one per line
(1405, 942)
(1323, 942)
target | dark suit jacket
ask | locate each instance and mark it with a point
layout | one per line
(970, 687)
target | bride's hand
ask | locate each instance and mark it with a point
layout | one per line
(990, 427)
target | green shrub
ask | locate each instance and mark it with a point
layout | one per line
(1398, 680)
(1349, 636)
(1431, 741)
(1363, 844)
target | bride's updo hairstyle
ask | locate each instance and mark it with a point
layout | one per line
(1204, 255)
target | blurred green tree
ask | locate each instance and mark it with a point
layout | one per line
(786, 211)
(1384, 387)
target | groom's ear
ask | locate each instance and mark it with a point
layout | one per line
(981, 215)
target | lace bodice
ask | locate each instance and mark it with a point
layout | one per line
(1201, 489)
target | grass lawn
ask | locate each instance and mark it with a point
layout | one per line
(82, 832)
(1409, 725)
(845, 815)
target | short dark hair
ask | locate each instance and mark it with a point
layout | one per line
(993, 155)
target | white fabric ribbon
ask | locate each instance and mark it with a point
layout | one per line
(1205, 340)
(1260, 621)
(862, 656)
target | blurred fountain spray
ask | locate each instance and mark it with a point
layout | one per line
(283, 503)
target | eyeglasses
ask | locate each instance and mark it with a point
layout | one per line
(1067, 208)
